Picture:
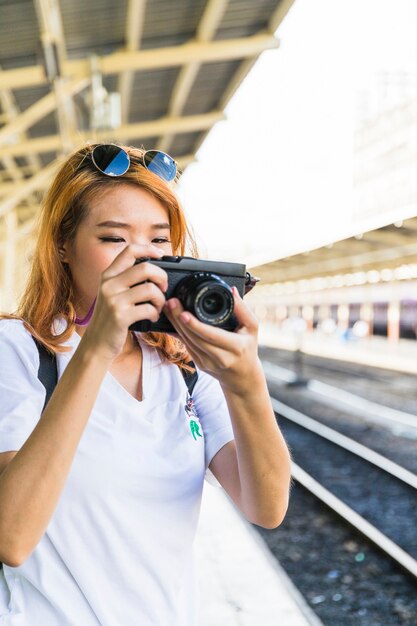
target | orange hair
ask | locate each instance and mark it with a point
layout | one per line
(49, 291)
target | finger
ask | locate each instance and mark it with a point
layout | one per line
(141, 294)
(212, 348)
(142, 311)
(244, 315)
(196, 350)
(141, 272)
(127, 257)
(211, 335)
(142, 303)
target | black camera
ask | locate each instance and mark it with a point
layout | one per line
(203, 288)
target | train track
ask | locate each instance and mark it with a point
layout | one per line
(366, 381)
(399, 555)
(344, 400)
(348, 539)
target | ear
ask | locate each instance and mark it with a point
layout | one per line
(62, 251)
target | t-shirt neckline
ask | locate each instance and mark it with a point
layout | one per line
(145, 370)
(75, 339)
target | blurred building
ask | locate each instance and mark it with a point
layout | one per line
(385, 164)
(367, 281)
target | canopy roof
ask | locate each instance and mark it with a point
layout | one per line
(383, 248)
(174, 64)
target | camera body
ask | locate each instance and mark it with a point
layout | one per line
(203, 288)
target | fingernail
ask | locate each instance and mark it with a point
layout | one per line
(185, 317)
(171, 304)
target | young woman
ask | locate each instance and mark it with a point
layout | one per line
(100, 492)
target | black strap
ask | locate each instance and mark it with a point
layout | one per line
(190, 377)
(48, 374)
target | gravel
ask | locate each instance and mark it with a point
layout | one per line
(346, 580)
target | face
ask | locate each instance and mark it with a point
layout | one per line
(121, 216)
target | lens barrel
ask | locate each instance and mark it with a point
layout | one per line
(207, 296)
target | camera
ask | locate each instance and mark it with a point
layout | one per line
(203, 287)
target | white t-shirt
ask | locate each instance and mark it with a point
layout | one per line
(118, 550)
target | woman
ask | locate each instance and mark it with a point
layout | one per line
(100, 493)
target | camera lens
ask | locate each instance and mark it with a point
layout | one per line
(212, 303)
(207, 296)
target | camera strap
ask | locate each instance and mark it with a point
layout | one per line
(48, 373)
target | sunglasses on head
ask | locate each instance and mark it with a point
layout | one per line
(113, 160)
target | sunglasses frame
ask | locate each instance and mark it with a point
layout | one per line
(142, 158)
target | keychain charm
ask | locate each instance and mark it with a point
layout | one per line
(194, 425)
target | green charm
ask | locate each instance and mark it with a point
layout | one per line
(194, 429)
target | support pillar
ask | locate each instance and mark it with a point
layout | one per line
(393, 331)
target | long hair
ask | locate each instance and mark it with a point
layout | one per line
(49, 289)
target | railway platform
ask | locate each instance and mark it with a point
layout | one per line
(373, 351)
(240, 582)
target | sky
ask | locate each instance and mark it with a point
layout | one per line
(275, 178)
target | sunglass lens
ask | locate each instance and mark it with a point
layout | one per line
(110, 159)
(161, 164)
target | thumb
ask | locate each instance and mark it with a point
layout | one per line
(244, 316)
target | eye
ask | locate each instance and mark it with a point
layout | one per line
(114, 239)
(161, 240)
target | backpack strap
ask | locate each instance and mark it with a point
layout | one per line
(190, 377)
(47, 373)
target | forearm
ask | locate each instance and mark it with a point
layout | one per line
(262, 454)
(32, 482)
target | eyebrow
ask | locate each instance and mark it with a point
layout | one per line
(111, 224)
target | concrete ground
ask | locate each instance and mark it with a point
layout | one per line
(241, 583)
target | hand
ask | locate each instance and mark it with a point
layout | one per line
(231, 357)
(122, 301)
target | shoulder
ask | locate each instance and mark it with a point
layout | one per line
(16, 343)
(203, 378)
(207, 387)
(16, 329)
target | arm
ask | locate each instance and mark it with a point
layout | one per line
(255, 467)
(261, 455)
(31, 483)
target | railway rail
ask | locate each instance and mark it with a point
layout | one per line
(393, 389)
(382, 541)
(342, 399)
(342, 444)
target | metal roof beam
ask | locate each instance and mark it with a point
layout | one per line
(247, 64)
(384, 238)
(37, 111)
(155, 58)
(9, 260)
(52, 143)
(22, 231)
(280, 12)
(11, 112)
(6, 188)
(206, 29)
(36, 182)
(52, 38)
(354, 263)
(134, 29)
(410, 224)
(42, 179)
